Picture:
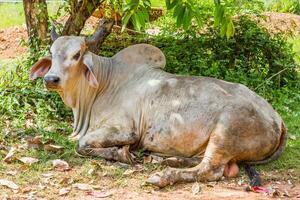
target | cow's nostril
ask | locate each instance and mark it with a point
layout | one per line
(51, 79)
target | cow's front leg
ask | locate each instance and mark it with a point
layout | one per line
(106, 143)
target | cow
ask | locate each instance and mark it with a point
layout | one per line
(127, 102)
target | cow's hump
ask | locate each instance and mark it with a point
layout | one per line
(141, 54)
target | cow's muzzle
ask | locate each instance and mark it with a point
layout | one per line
(51, 81)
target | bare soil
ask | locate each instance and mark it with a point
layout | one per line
(110, 183)
(288, 24)
(10, 42)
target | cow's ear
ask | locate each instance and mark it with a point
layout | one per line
(40, 68)
(88, 72)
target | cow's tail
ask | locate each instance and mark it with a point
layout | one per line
(254, 177)
(278, 151)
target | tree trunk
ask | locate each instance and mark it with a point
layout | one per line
(36, 16)
(80, 12)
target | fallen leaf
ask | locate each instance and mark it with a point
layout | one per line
(25, 189)
(128, 172)
(47, 175)
(9, 155)
(98, 194)
(91, 171)
(64, 191)
(286, 193)
(60, 165)
(66, 180)
(292, 137)
(52, 148)
(156, 159)
(2, 147)
(196, 188)
(9, 184)
(147, 159)
(275, 193)
(139, 167)
(82, 186)
(12, 172)
(211, 184)
(96, 187)
(29, 123)
(28, 160)
(260, 189)
(35, 142)
(41, 186)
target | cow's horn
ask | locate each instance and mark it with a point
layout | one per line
(103, 29)
(53, 33)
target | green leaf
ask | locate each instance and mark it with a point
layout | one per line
(230, 28)
(180, 15)
(125, 20)
(218, 15)
(147, 3)
(223, 27)
(187, 18)
(171, 4)
(177, 10)
(90, 8)
(137, 21)
(145, 15)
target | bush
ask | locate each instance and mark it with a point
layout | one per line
(252, 57)
(22, 101)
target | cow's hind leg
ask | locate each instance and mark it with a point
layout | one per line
(217, 155)
(179, 162)
(207, 170)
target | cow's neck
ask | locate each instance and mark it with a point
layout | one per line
(85, 95)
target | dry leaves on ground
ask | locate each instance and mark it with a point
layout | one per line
(9, 184)
(28, 160)
(9, 155)
(64, 191)
(196, 188)
(60, 165)
(98, 194)
(82, 186)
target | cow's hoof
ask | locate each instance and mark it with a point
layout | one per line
(161, 179)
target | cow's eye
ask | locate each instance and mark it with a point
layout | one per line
(76, 56)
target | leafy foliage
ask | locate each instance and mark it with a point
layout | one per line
(287, 6)
(23, 101)
(251, 57)
(188, 13)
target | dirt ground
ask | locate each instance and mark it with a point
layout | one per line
(132, 186)
(10, 40)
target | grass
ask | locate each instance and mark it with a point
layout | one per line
(287, 104)
(12, 14)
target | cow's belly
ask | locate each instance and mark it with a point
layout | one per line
(176, 140)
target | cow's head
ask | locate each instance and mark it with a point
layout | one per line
(69, 61)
